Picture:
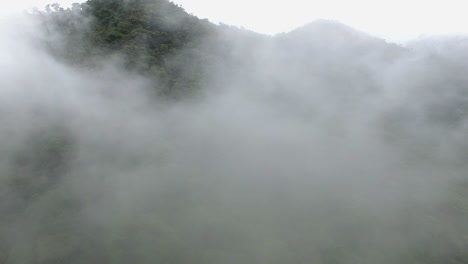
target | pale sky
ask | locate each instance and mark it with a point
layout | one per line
(395, 20)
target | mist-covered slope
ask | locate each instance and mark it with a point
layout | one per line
(135, 132)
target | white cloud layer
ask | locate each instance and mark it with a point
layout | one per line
(395, 20)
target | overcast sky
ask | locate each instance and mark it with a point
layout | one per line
(396, 20)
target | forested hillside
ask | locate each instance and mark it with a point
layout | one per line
(134, 132)
(155, 38)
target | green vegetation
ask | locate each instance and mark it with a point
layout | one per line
(174, 197)
(155, 38)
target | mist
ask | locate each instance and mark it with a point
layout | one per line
(322, 145)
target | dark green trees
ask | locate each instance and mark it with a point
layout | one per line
(155, 38)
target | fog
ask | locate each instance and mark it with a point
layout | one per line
(324, 145)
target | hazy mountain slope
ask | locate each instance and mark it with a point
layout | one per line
(322, 145)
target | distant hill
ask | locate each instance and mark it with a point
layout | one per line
(157, 38)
